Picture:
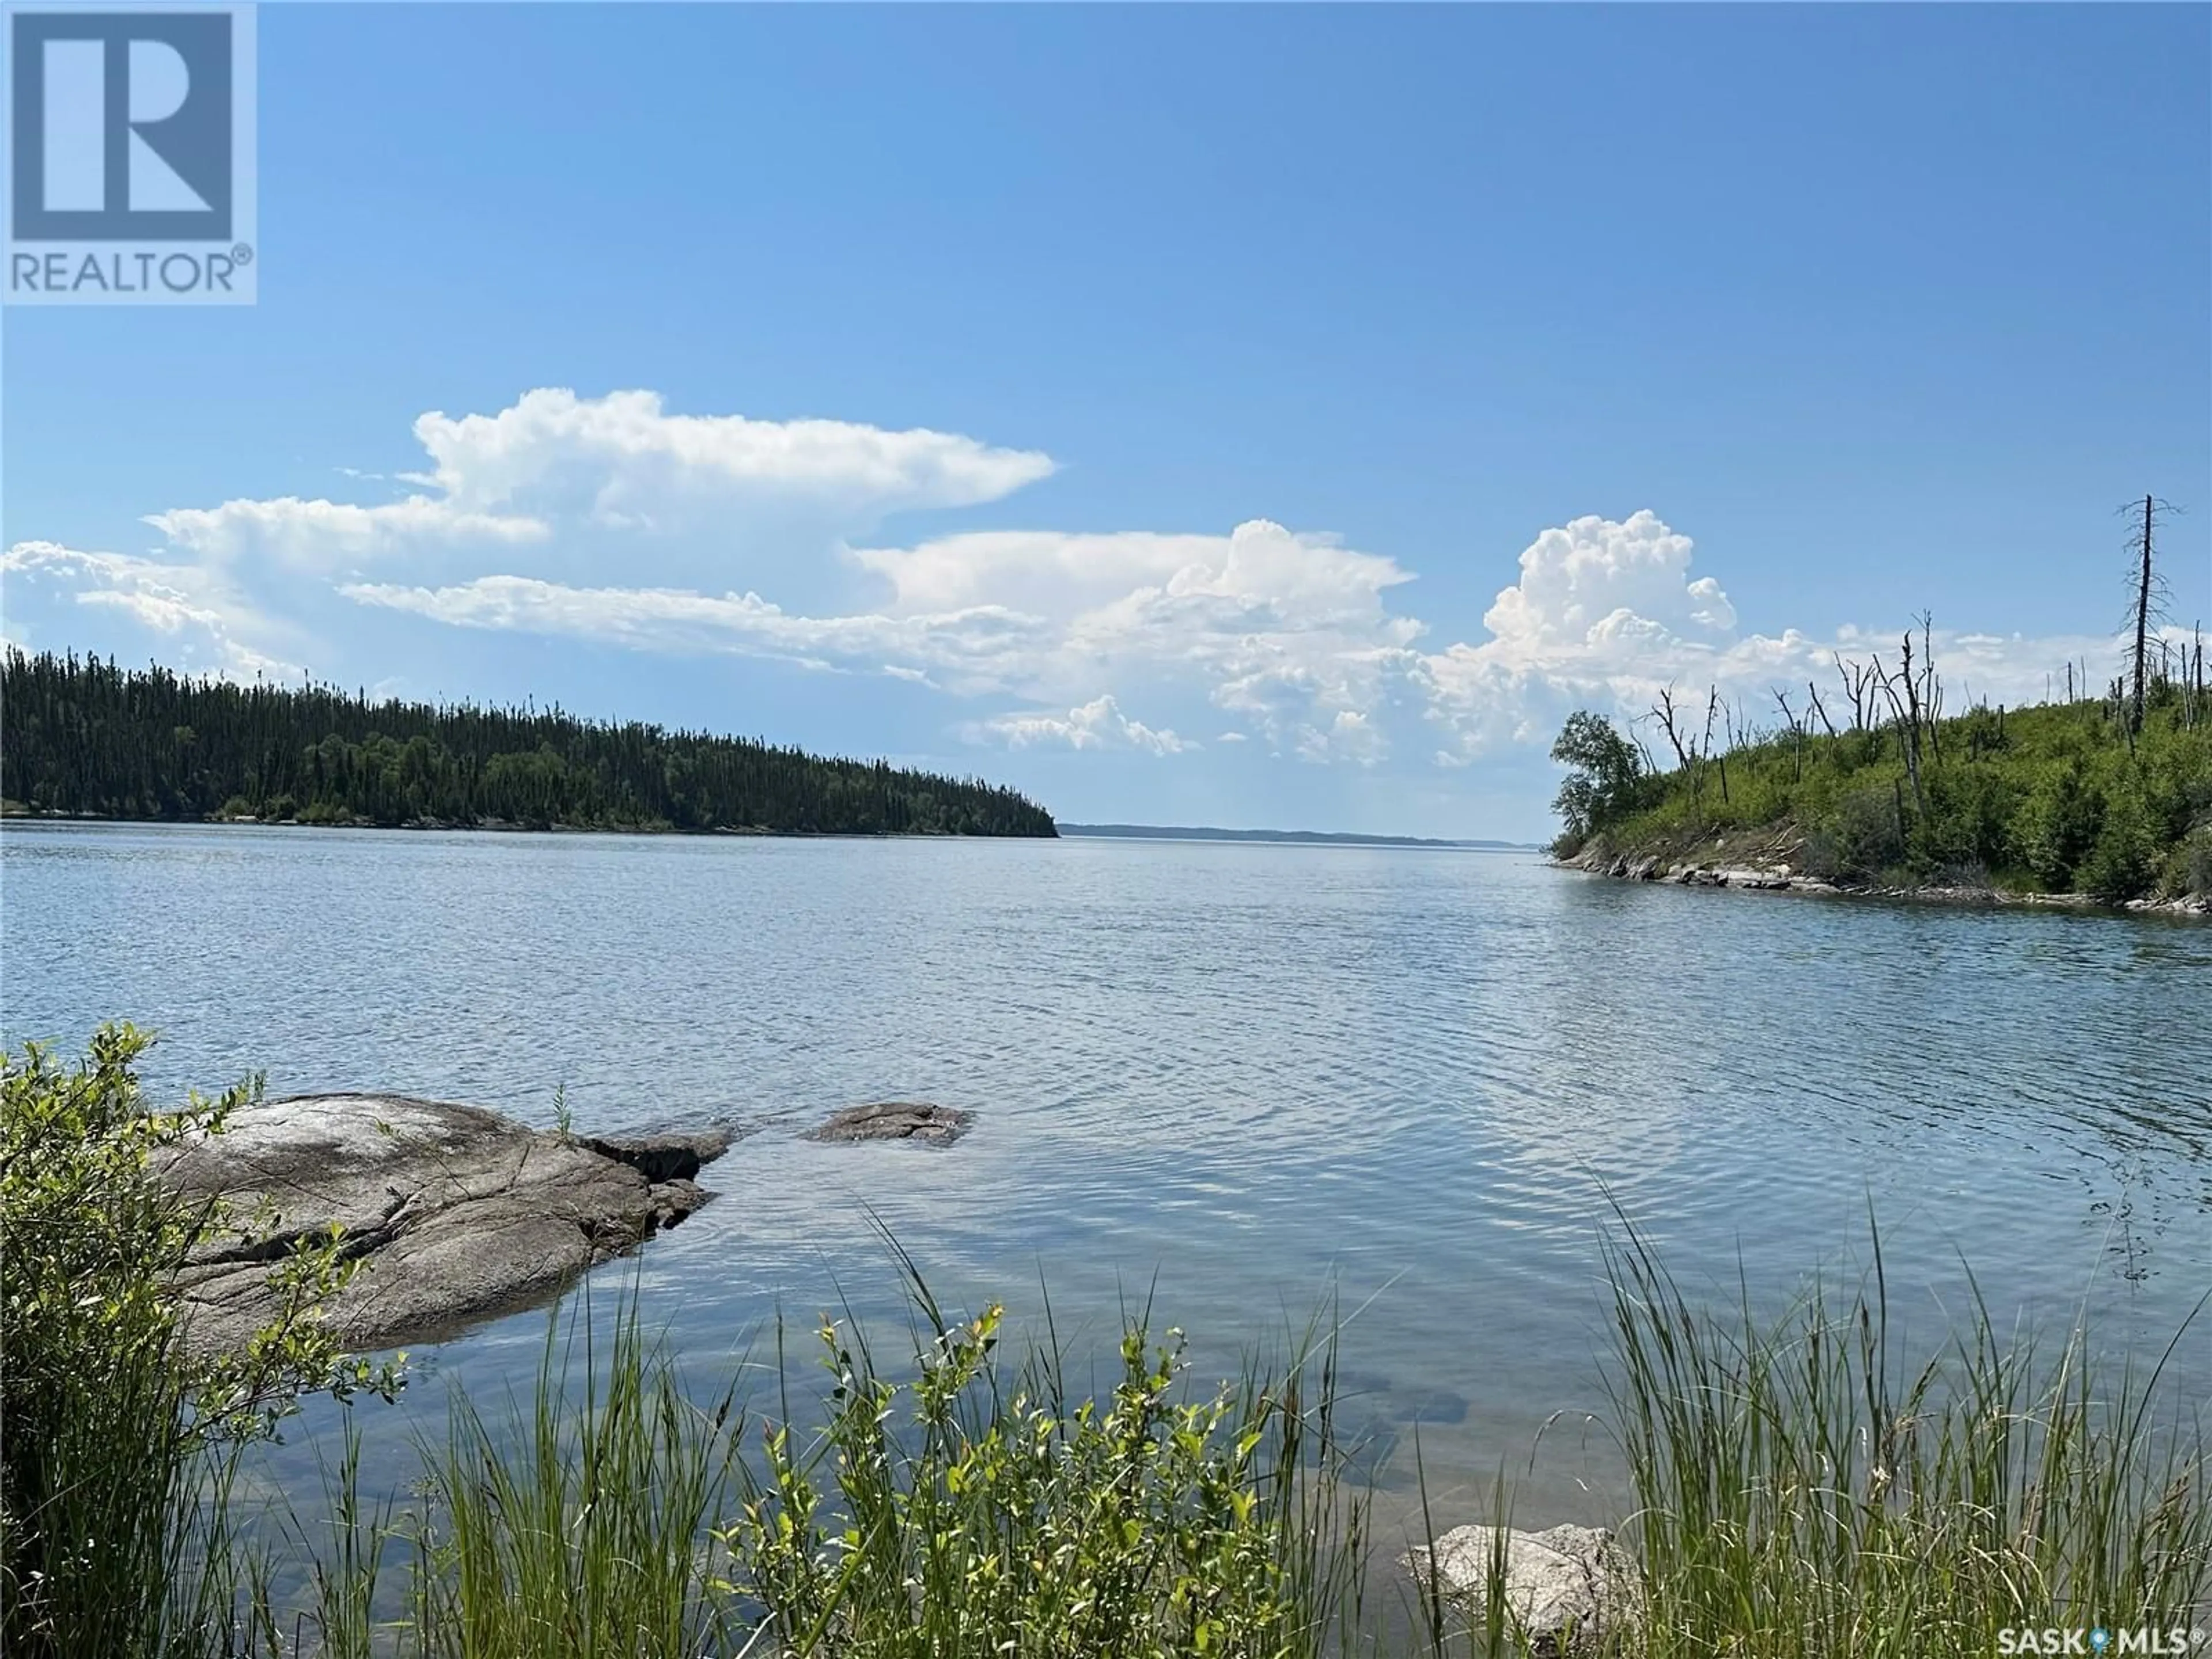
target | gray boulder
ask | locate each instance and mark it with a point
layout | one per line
(895, 1120)
(459, 1211)
(1563, 1589)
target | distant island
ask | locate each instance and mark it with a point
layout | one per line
(1185, 832)
(84, 739)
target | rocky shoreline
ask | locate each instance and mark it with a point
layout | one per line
(456, 1213)
(1775, 874)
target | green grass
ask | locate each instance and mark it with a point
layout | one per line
(574, 1525)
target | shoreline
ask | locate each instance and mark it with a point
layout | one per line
(501, 826)
(1783, 877)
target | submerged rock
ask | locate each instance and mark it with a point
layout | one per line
(1563, 1589)
(895, 1120)
(461, 1211)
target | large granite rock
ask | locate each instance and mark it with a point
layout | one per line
(1563, 1589)
(459, 1211)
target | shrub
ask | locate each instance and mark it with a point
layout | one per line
(2124, 862)
(992, 1515)
(2188, 868)
(1861, 840)
(116, 1431)
(2059, 823)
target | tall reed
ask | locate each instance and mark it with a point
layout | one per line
(1808, 1485)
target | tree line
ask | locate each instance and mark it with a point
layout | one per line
(81, 736)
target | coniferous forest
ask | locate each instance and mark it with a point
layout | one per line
(79, 737)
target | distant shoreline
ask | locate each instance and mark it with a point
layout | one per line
(1295, 838)
(12, 812)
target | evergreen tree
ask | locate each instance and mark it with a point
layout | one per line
(85, 737)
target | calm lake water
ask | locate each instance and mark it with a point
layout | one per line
(1236, 1078)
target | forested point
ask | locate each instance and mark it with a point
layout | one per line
(82, 738)
(2109, 796)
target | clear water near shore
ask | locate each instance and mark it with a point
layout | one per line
(1234, 1078)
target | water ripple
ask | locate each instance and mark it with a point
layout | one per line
(1254, 1073)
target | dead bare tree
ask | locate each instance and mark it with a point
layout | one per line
(1665, 710)
(1814, 693)
(1858, 681)
(1902, 694)
(1712, 707)
(1797, 736)
(2195, 679)
(2142, 616)
(2147, 597)
(1636, 731)
(1931, 688)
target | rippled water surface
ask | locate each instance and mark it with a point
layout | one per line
(1235, 1078)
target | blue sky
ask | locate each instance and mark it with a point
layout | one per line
(1237, 415)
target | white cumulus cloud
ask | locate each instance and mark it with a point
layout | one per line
(207, 626)
(1098, 723)
(554, 467)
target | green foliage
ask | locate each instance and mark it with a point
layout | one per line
(1603, 774)
(973, 1509)
(2188, 867)
(1860, 838)
(115, 1432)
(2124, 863)
(2060, 823)
(2053, 797)
(85, 738)
(1807, 1489)
(1804, 1487)
(997, 1518)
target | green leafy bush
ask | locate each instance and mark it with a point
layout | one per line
(2187, 867)
(2060, 823)
(2124, 862)
(998, 1518)
(115, 1429)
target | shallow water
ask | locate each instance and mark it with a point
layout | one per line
(1237, 1080)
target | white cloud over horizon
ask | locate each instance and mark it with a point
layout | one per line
(1098, 723)
(612, 520)
(553, 462)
